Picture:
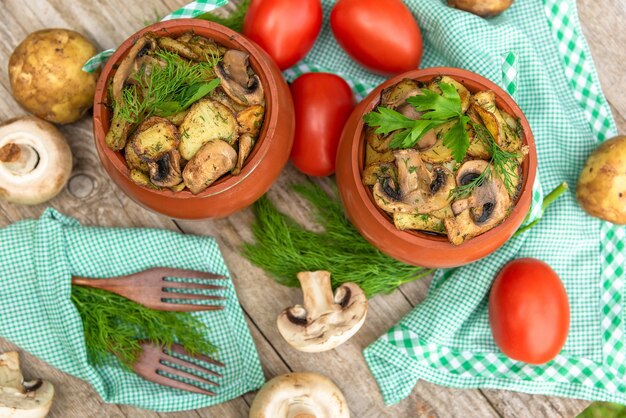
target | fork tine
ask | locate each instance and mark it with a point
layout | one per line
(187, 285)
(179, 349)
(177, 384)
(188, 364)
(180, 373)
(187, 307)
(189, 296)
(190, 274)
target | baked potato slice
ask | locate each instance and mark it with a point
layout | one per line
(177, 47)
(397, 94)
(372, 156)
(132, 159)
(378, 142)
(207, 120)
(250, 120)
(373, 172)
(438, 153)
(418, 221)
(464, 93)
(140, 178)
(212, 161)
(154, 138)
(117, 135)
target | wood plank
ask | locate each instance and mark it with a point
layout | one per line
(94, 200)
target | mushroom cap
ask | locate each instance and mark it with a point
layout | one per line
(303, 395)
(19, 399)
(324, 322)
(52, 170)
(236, 81)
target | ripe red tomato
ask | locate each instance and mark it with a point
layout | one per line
(381, 35)
(529, 311)
(322, 105)
(285, 29)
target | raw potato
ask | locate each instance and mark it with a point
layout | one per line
(154, 138)
(484, 8)
(601, 189)
(207, 120)
(212, 161)
(46, 75)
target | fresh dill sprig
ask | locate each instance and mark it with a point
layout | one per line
(113, 326)
(283, 247)
(233, 21)
(166, 90)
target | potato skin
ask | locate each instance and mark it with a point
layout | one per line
(484, 8)
(601, 189)
(46, 75)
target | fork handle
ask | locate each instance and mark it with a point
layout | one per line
(117, 286)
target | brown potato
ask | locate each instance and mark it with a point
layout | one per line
(154, 138)
(484, 8)
(601, 189)
(250, 120)
(46, 75)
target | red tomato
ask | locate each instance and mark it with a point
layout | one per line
(381, 35)
(529, 311)
(285, 29)
(322, 105)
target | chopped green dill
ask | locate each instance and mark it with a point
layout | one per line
(113, 326)
(283, 247)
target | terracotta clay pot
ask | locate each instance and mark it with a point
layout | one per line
(230, 193)
(414, 247)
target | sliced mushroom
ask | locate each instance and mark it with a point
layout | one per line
(20, 398)
(212, 161)
(418, 190)
(246, 144)
(35, 161)
(143, 45)
(299, 395)
(484, 209)
(220, 96)
(324, 322)
(177, 47)
(165, 172)
(234, 74)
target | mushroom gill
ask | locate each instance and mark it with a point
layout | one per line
(236, 80)
(484, 209)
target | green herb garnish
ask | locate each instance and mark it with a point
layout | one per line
(167, 90)
(283, 247)
(233, 21)
(113, 326)
(438, 110)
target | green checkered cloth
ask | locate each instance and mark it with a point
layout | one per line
(36, 313)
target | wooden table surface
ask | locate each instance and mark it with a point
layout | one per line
(95, 200)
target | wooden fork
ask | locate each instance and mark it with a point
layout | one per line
(148, 288)
(152, 361)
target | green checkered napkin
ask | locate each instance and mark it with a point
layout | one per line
(36, 313)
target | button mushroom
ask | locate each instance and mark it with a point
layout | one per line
(418, 190)
(20, 398)
(165, 172)
(35, 161)
(484, 209)
(324, 322)
(212, 161)
(236, 80)
(300, 395)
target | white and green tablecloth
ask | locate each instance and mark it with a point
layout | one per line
(39, 257)
(536, 51)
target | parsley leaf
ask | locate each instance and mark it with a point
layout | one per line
(436, 110)
(456, 139)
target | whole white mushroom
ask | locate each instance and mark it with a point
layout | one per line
(35, 161)
(300, 395)
(19, 398)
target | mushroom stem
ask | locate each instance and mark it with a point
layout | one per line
(317, 292)
(19, 159)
